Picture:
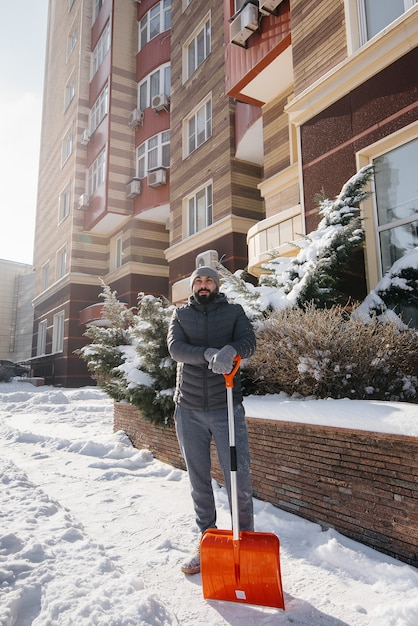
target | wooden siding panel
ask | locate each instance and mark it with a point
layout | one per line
(318, 39)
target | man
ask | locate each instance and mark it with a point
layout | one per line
(204, 337)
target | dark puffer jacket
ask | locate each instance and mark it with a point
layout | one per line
(194, 328)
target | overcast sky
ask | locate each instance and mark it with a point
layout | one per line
(22, 57)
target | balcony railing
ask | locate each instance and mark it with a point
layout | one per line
(274, 237)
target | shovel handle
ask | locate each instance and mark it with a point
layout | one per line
(229, 378)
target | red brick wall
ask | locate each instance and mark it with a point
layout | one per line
(363, 484)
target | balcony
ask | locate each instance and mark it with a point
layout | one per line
(261, 71)
(273, 237)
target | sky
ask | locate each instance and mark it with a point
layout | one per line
(93, 531)
(22, 57)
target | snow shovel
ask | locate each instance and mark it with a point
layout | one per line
(240, 566)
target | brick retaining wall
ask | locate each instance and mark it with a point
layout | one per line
(363, 484)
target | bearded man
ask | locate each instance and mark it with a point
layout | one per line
(204, 337)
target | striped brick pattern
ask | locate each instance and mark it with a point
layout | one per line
(318, 39)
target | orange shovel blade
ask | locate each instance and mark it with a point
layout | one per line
(245, 570)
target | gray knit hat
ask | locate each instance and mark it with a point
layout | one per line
(204, 271)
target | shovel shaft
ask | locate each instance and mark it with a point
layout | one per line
(233, 463)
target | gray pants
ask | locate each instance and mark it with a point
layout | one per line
(195, 429)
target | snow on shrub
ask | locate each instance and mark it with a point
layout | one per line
(128, 355)
(326, 353)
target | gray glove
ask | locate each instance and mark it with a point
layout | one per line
(222, 362)
(209, 355)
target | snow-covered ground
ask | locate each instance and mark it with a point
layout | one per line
(93, 531)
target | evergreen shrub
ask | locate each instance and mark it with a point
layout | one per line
(128, 354)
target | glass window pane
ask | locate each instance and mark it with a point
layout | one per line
(144, 31)
(191, 217)
(397, 183)
(200, 47)
(167, 80)
(192, 134)
(396, 242)
(167, 14)
(209, 206)
(191, 59)
(201, 209)
(208, 119)
(155, 84)
(143, 96)
(154, 27)
(380, 13)
(201, 126)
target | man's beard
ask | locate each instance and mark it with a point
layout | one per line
(206, 297)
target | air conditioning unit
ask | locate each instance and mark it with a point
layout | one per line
(160, 102)
(84, 201)
(133, 188)
(155, 178)
(209, 258)
(268, 6)
(135, 118)
(85, 137)
(243, 25)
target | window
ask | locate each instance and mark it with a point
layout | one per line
(396, 198)
(100, 51)
(58, 332)
(41, 343)
(96, 8)
(116, 252)
(45, 276)
(97, 173)
(64, 204)
(69, 92)
(397, 202)
(199, 210)
(61, 262)
(238, 5)
(155, 152)
(72, 41)
(67, 146)
(375, 15)
(199, 126)
(154, 22)
(99, 109)
(197, 49)
(154, 84)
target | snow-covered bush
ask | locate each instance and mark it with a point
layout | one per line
(326, 353)
(105, 354)
(152, 358)
(128, 355)
(313, 274)
(399, 287)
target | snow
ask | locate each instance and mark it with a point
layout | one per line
(93, 531)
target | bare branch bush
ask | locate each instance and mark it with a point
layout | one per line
(326, 353)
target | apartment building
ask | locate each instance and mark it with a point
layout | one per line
(89, 227)
(337, 88)
(137, 172)
(183, 132)
(16, 313)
